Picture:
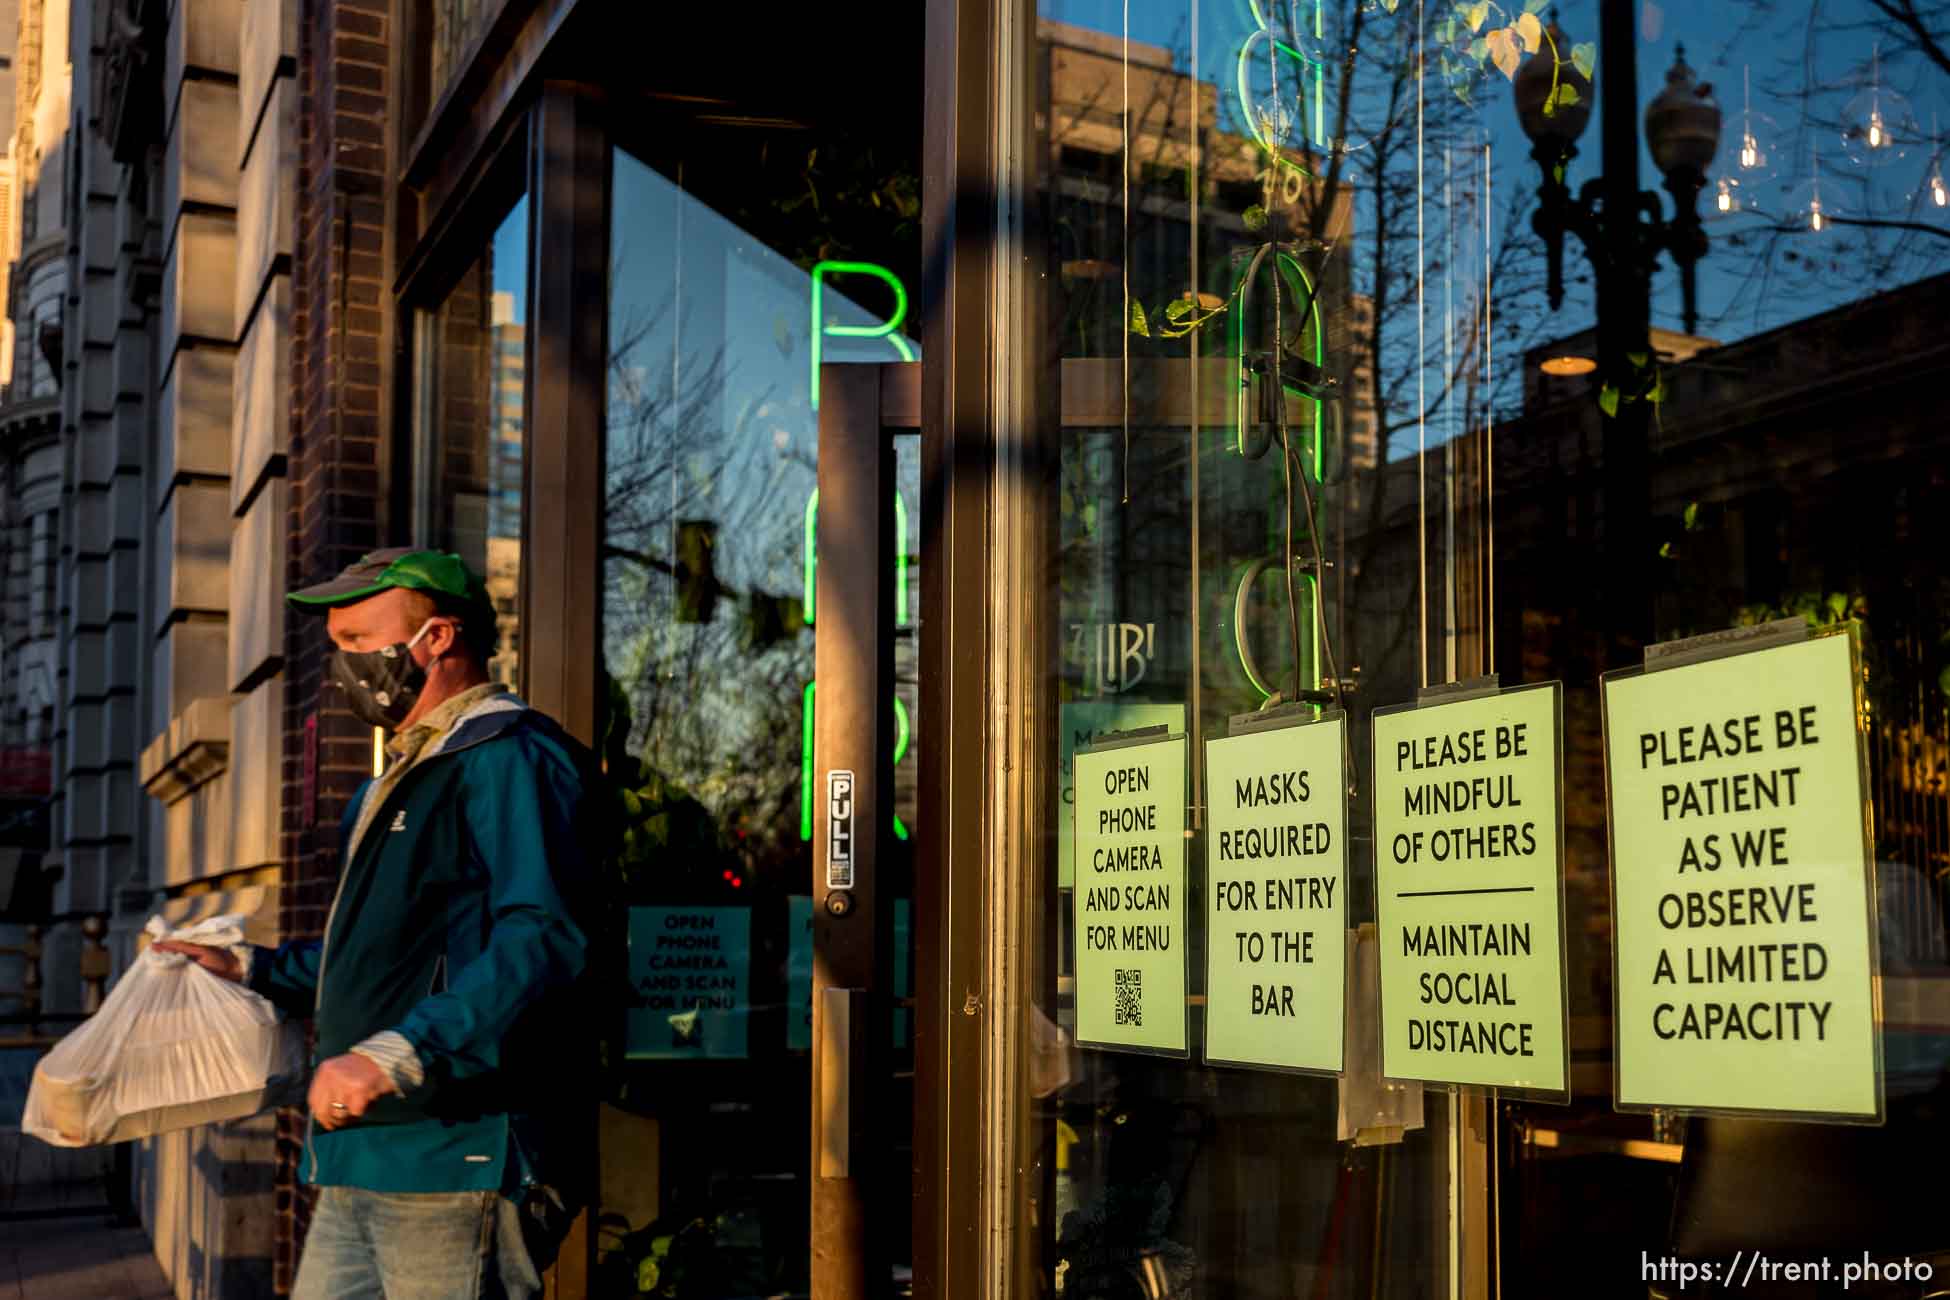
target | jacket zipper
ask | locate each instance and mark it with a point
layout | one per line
(438, 749)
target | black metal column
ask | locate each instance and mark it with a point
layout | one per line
(853, 798)
(1624, 329)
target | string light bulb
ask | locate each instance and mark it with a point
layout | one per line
(1939, 192)
(1876, 125)
(1812, 204)
(1756, 161)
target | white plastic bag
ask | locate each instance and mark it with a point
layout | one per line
(173, 1046)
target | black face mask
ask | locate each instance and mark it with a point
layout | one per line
(381, 686)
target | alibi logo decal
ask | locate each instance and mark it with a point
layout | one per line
(1114, 656)
(839, 829)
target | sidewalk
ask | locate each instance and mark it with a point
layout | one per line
(80, 1257)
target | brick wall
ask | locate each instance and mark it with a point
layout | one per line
(340, 321)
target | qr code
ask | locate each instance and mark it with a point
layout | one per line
(1129, 988)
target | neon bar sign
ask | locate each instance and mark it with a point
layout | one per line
(889, 330)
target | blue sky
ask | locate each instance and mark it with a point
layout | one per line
(1745, 288)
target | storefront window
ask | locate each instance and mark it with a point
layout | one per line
(716, 333)
(472, 424)
(1332, 433)
(1217, 401)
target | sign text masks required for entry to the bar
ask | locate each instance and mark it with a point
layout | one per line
(1468, 894)
(1129, 900)
(1276, 897)
(1741, 885)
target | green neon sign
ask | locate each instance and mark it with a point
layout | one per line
(1299, 282)
(1248, 663)
(810, 556)
(1312, 77)
(1236, 346)
(888, 329)
(901, 734)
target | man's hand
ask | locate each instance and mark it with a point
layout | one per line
(218, 961)
(344, 1087)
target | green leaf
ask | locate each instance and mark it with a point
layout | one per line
(1665, 550)
(1479, 49)
(1179, 309)
(1692, 516)
(1584, 56)
(1608, 400)
(1639, 360)
(1254, 217)
(1445, 33)
(1557, 173)
(1658, 393)
(1943, 681)
(1837, 605)
(1478, 14)
(1564, 95)
(1139, 323)
(1534, 6)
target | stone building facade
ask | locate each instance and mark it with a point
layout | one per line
(146, 431)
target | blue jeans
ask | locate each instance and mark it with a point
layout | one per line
(414, 1246)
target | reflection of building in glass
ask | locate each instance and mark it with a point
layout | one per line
(507, 382)
(710, 470)
(1192, 205)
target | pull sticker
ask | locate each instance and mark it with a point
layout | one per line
(839, 829)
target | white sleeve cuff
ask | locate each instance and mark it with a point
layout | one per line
(393, 1053)
(245, 955)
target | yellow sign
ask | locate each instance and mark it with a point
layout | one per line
(1741, 885)
(1276, 897)
(1129, 900)
(1082, 723)
(1469, 898)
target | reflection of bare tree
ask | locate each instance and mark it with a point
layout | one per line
(1883, 229)
(1403, 253)
(715, 701)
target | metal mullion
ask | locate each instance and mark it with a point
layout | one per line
(950, 899)
(563, 447)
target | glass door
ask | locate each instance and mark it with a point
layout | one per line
(722, 311)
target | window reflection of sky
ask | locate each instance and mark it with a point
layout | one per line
(1806, 62)
(712, 328)
(711, 418)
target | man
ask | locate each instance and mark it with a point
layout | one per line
(444, 991)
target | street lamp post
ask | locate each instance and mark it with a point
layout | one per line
(1622, 230)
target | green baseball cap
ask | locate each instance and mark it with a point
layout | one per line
(438, 573)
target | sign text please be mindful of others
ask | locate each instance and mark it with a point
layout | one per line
(1468, 893)
(1129, 898)
(1741, 886)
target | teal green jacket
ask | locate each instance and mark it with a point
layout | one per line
(462, 922)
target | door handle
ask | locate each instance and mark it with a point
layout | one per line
(842, 1041)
